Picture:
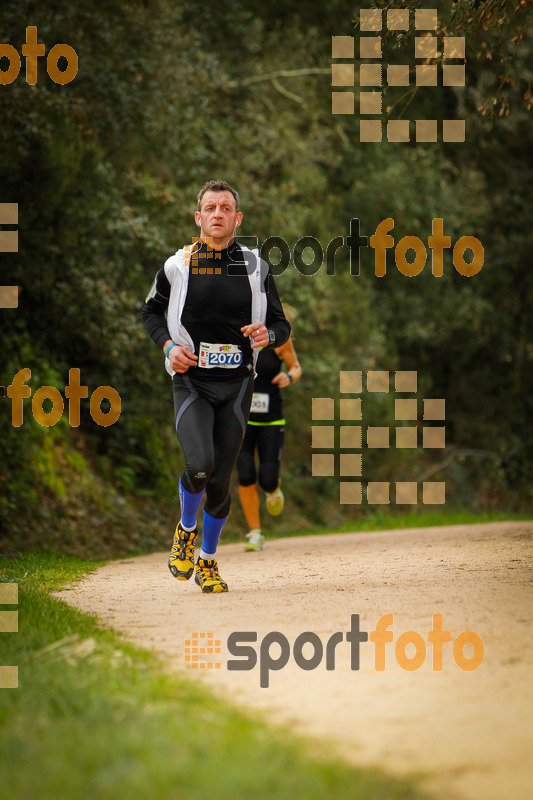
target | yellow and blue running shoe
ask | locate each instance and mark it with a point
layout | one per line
(181, 558)
(207, 576)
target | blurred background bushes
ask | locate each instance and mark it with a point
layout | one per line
(106, 170)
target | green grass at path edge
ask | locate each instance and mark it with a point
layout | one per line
(98, 718)
(386, 520)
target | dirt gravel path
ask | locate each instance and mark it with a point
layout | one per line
(470, 733)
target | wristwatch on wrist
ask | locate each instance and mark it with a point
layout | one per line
(271, 338)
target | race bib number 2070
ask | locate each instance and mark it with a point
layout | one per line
(212, 355)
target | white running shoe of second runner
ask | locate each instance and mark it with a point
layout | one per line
(256, 540)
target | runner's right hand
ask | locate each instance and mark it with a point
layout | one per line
(181, 358)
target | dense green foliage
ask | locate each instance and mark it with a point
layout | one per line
(106, 170)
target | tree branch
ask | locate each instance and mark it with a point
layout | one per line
(282, 73)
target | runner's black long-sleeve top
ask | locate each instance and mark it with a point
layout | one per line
(217, 305)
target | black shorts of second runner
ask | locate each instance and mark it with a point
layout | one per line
(210, 421)
(269, 442)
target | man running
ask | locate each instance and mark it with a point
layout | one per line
(210, 309)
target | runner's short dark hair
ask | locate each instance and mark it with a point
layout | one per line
(217, 186)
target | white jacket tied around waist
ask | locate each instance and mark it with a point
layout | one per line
(177, 272)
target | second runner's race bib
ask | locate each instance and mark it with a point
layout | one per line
(260, 403)
(212, 355)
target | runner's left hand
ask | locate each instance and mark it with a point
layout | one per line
(281, 379)
(258, 332)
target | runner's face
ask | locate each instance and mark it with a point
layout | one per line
(218, 217)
